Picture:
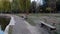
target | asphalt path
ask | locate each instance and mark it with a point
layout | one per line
(20, 27)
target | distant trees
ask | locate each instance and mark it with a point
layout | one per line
(21, 5)
(58, 5)
(25, 6)
(33, 7)
(1, 5)
(15, 5)
(4, 6)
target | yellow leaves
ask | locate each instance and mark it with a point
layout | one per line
(48, 8)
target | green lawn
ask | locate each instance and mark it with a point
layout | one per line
(45, 14)
(10, 29)
(30, 22)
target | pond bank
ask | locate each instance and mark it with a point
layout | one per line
(11, 23)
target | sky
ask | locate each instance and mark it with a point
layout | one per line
(38, 1)
(11, 0)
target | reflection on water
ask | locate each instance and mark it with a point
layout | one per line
(1, 32)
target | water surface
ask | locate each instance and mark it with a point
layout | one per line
(1, 32)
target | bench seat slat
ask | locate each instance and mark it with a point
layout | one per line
(47, 24)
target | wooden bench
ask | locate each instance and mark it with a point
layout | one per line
(47, 25)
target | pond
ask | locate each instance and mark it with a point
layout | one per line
(4, 21)
(1, 32)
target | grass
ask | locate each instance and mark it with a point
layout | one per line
(10, 30)
(30, 22)
(58, 28)
(45, 14)
(56, 33)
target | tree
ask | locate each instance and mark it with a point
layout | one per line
(58, 5)
(27, 5)
(48, 9)
(33, 7)
(1, 6)
(24, 5)
(6, 5)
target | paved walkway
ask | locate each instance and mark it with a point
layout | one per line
(22, 27)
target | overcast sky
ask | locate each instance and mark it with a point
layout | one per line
(38, 1)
